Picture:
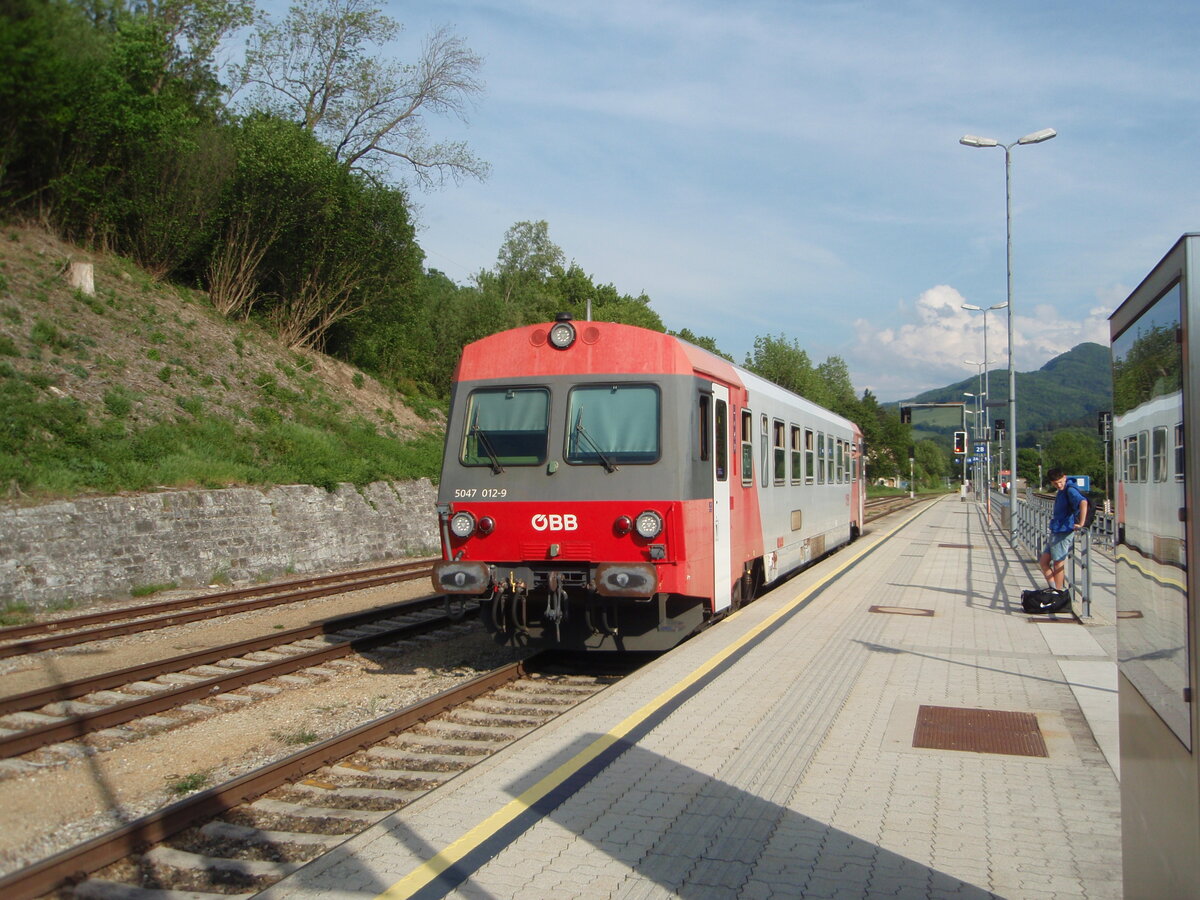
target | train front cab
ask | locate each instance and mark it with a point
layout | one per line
(547, 500)
(1156, 387)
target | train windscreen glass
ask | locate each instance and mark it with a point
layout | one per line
(506, 427)
(1152, 608)
(613, 424)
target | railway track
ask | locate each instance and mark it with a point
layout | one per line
(74, 709)
(237, 838)
(877, 507)
(16, 640)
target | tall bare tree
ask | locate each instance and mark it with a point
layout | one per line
(322, 67)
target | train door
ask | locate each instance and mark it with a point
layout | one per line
(722, 526)
(858, 486)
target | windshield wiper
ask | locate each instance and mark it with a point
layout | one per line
(609, 465)
(481, 436)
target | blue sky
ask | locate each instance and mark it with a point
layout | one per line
(793, 168)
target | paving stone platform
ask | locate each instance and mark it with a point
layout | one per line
(773, 755)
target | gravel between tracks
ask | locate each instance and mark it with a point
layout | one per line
(55, 807)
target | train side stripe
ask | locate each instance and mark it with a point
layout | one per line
(451, 866)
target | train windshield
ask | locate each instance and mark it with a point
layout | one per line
(612, 424)
(506, 427)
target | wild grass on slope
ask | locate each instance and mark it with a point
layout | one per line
(48, 447)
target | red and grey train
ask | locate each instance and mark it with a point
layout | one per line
(607, 487)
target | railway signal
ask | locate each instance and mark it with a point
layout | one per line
(960, 442)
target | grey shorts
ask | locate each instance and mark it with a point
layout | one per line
(1058, 545)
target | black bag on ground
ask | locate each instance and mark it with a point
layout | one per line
(1045, 600)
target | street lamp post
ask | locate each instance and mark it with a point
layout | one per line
(971, 140)
(986, 380)
(985, 438)
(974, 438)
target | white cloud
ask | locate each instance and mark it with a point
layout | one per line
(938, 339)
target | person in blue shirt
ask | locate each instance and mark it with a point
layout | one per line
(1070, 512)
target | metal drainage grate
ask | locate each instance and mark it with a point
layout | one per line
(956, 546)
(979, 731)
(900, 610)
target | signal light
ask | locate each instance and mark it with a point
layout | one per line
(960, 442)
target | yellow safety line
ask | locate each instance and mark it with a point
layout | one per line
(424, 874)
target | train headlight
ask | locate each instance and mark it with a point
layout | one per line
(487, 525)
(462, 524)
(649, 524)
(562, 334)
(623, 525)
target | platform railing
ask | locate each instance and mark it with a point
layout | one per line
(1033, 525)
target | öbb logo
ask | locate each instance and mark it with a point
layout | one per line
(554, 522)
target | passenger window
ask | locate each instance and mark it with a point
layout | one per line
(747, 448)
(777, 431)
(810, 464)
(722, 438)
(762, 444)
(797, 456)
(820, 457)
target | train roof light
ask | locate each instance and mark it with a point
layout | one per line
(562, 332)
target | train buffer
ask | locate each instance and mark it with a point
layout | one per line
(888, 722)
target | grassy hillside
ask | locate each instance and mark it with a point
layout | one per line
(142, 385)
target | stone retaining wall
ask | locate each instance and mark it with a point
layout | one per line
(77, 550)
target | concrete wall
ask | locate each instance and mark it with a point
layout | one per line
(105, 546)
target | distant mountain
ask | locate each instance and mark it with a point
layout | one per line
(1067, 391)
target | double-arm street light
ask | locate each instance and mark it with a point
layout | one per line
(984, 435)
(971, 140)
(985, 310)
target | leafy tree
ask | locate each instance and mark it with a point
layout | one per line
(190, 31)
(1076, 452)
(109, 121)
(572, 290)
(307, 242)
(317, 67)
(839, 390)
(886, 437)
(783, 362)
(527, 261)
(931, 467)
(1028, 463)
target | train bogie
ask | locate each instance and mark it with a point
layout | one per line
(605, 487)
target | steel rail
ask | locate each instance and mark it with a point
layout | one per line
(182, 618)
(86, 723)
(70, 690)
(49, 874)
(132, 612)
